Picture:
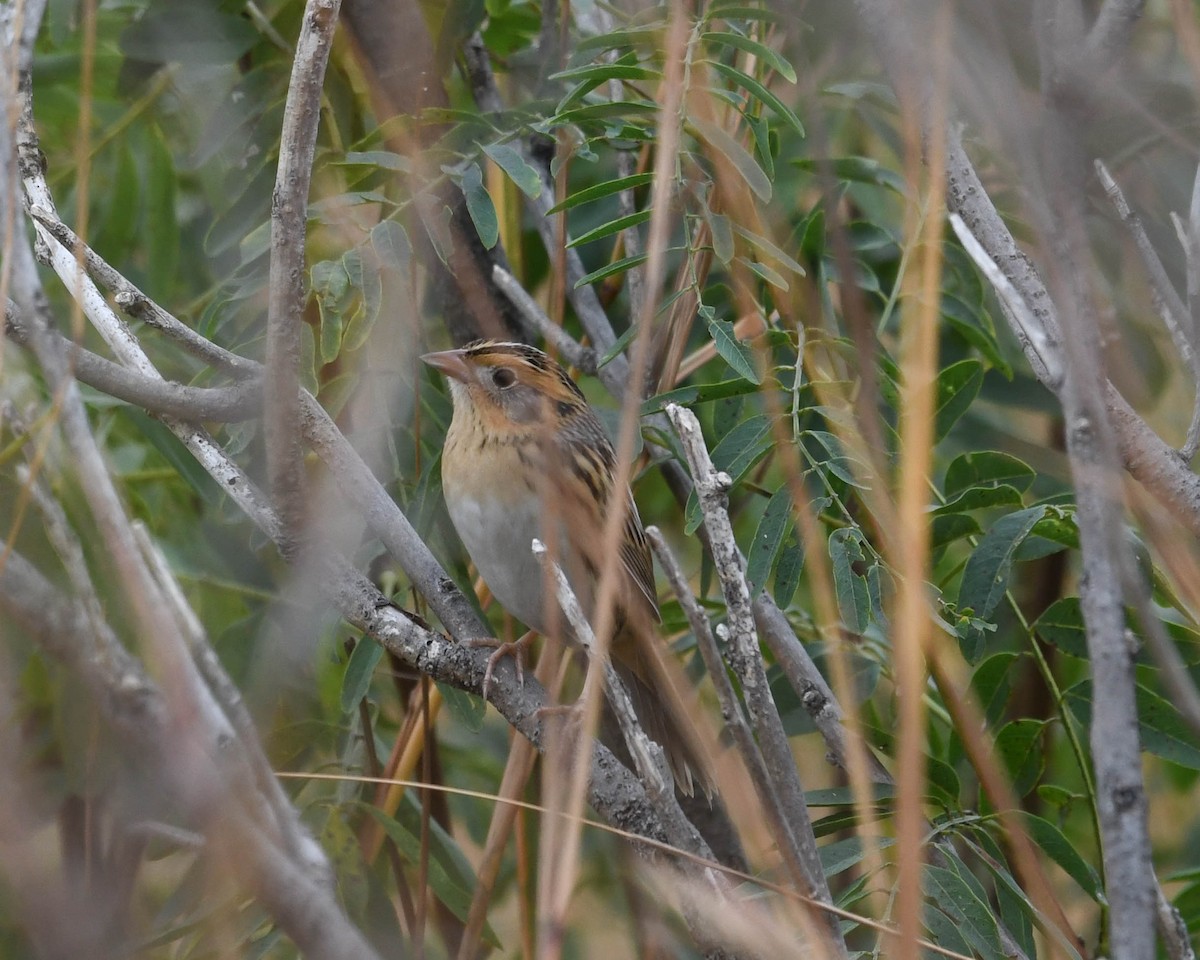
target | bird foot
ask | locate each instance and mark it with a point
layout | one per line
(502, 649)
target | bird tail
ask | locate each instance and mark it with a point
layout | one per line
(664, 714)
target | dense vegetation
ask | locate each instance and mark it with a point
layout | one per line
(970, 567)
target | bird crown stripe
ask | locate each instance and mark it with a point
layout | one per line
(485, 350)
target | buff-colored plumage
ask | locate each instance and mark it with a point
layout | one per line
(526, 457)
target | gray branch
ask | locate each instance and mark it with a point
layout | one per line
(746, 660)
(289, 221)
(242, 401)
(134, 302)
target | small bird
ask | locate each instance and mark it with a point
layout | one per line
(526, 457)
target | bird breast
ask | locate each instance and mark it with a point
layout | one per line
(497, 514)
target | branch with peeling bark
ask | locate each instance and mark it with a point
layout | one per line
(743, 655)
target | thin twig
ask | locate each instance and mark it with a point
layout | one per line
(137, 304)
(1170, 307)
(138, 712)
(297, 840)
(584, 299)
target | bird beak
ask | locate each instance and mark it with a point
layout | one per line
(451, 363)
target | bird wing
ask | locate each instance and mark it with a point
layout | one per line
(635, 555)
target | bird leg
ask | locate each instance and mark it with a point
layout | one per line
(502, 649)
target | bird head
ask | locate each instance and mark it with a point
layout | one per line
(507, 384)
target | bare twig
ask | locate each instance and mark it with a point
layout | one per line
(289, 220)
(649, 758)
(134, 302)
(1112, 31)
(1173, 930)
(297, 840)
(1170, 307)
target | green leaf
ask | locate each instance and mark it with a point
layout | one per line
(773, 527)
(944, 932)
(480, 206)
(837, 463)
(449, 872)
(1017, 746)
(162, 237)
(979, 498)
(736, 11)
(957, 387)
(699, 393)
(602, 190)
(756, 50)
(845, 550)
(746, 166)
(990, 681)
(188, 33)
(788, 569)
(763, 245)
(773, 277)
(611, 227)
(122, 196)
(944, 785)
(812, 235)
(467, 708)
(1161, 729)
(357, 680)
(841, 855)
(987, 467)
(844, 796)
(1061, 626)
(952, 526)
(331, 287)
(384, 159)
(972, 915)
(975, 328)
(512, 163)
(1055, 844)
(722, 235)
(855, 169)
(605, 110)
(176, 455)
(732, 350)
(609, 269)
(370, 284)
(985, 578)
(603, 72)
(390, 240)
(756, 89)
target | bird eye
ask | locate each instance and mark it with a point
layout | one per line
(503, 377)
